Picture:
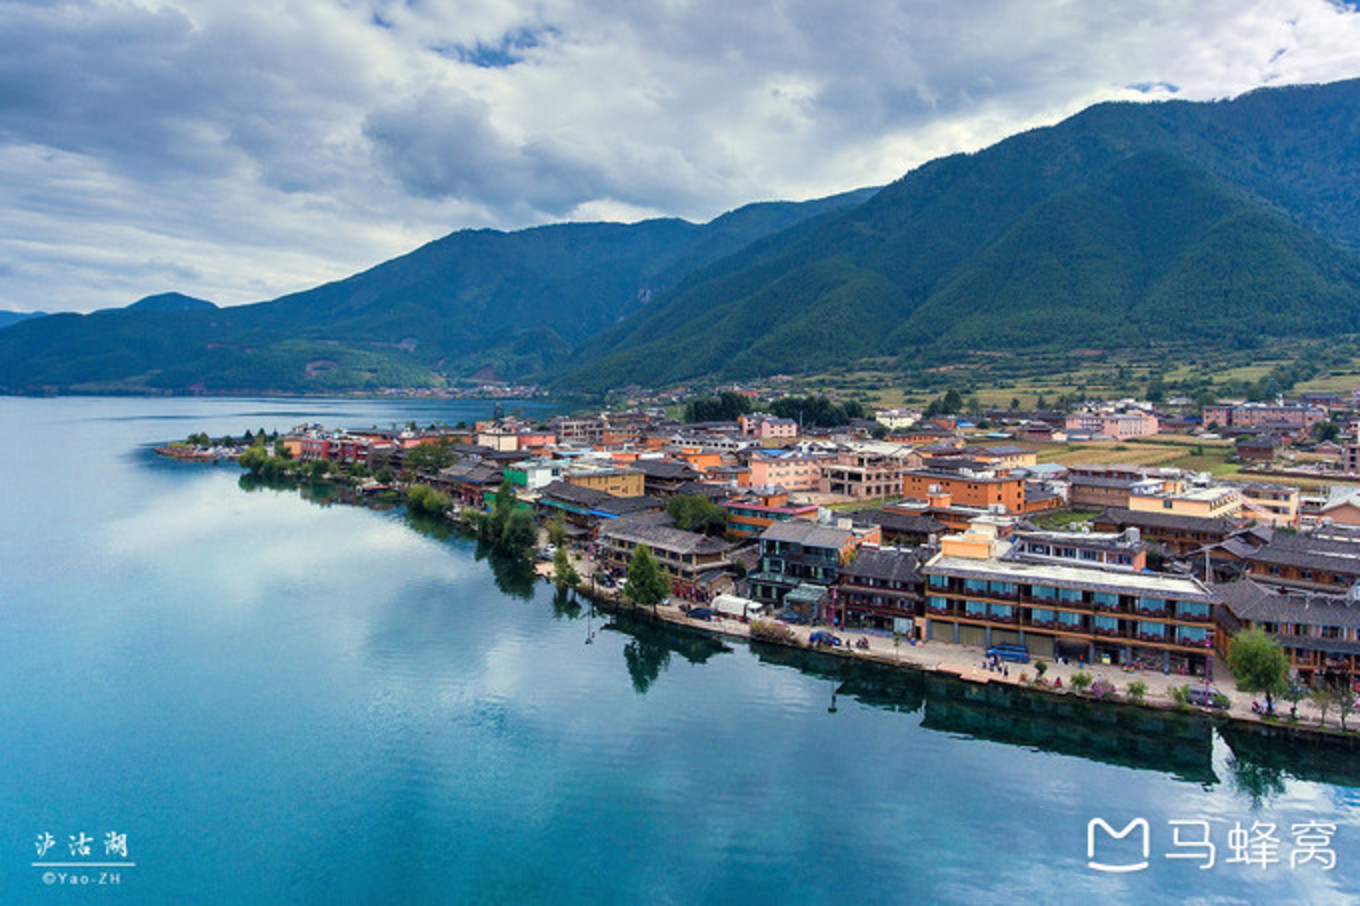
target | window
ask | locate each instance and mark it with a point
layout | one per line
(1188, 635)
(1152, 630)
(1106, 624)
(974, 609)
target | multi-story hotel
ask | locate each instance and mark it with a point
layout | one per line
(1062, 594)
(1319, 632)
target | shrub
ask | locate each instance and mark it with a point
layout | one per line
(1181, 696)
(771, 631)
(1081, 681)
(1137, 689)
(1103, 689)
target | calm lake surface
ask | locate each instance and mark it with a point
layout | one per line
(278, 700)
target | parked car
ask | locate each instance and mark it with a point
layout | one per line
(545, 555)
(822, 637)
(702, 613)
(793, 618)
(605, 581)
(1208, 698)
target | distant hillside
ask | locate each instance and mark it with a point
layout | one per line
(1125, 223)
(171, 302)
(515, 304)
(14, 317)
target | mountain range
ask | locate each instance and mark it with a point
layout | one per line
(1214, 223)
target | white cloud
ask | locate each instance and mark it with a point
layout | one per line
(237, 151)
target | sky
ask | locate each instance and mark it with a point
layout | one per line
(238, 150)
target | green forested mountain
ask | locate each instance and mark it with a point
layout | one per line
(1128, 224)
(1125, 224)
(477, 300)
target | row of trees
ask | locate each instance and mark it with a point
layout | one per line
(816, 411)
(1260, 665)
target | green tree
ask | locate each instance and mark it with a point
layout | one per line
(1322, 699)
(557, 531)
(564, 574)
(429, 458)
(1344, 698)
(697, 514)
(519, 535)
(1259, 665)
(1137, 689)
(1294, 692)
(252, 460)
(647, 584)
(1181, 696)
(1081, 681)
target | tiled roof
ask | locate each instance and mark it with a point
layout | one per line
(887, 565)
(808, 534)
(1123, 518)
(1249, 600)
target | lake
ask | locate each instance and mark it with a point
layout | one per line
(273, 698)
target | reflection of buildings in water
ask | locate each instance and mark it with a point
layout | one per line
(1302, 756)
(1124, 735)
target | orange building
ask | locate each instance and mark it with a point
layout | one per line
(967, 489)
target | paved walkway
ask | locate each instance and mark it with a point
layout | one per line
(966, 661)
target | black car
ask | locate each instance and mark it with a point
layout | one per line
(605, 581)
(794, 618)
(702, 613)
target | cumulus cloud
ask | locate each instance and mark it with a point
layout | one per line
(239, 151)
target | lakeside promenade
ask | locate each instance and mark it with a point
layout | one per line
(967, 662)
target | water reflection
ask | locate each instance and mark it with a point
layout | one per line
(514, 577)
(1179, 745)
(648, 650)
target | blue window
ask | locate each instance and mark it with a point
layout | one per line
(938, 581)
(1000, 610)
(1192, 635)
(1153, 630)
(1041, 616)
(1105, 623)
(1001, 589)
(974, 608)
(1192, 609)
(1151, 605)
(975, 584)
(1070, 595)
(1068, 619)
(1044, 592)
(1105, 598)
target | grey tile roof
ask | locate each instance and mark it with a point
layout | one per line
(1335, 556)
(1250, 600)
(808, 534)
(662, 537)
(887, 565)
(1123, 518)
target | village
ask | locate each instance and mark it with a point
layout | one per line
(990, 551)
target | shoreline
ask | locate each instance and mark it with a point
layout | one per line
(953, 661)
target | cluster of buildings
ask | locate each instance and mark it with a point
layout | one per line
(909, 527)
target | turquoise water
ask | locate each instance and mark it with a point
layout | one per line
(285, 702)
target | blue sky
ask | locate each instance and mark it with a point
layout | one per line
(237, 151)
